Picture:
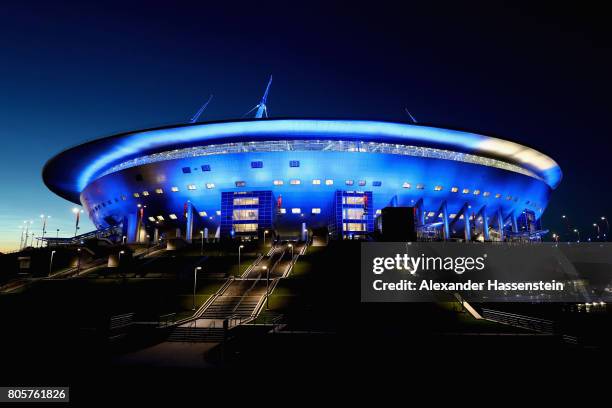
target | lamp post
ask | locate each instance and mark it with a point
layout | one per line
(265, 232)
(605, 219)
(195, 282)
(51, 262)
(555, 238)
(77, 215)
(44, 219)
(291, 246)
(239, 267)
(267, 270)
(598, 231)
(119, 260)
(577, 233)
(201, 242)
(22, 228)
(78, 261)
(57, 233)
(123, 240)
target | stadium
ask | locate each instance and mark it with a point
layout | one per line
(295, 176)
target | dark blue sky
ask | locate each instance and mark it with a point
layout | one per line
(71, 72)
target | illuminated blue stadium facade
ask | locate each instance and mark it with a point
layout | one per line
(292, 176)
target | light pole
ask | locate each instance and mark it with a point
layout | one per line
(201, 242)
(267, 270)
(555, 237)
(577, 233)
(27, 232)
(239, 267)
(77, 215)
(78, 261)
(265, 232)
(51, 262)
(195, 282)
(291, 246)
(119, 260)
(607, 227)
(598, 231)
(57, 233)
(22, 228)
(123, 240)
(44, 219)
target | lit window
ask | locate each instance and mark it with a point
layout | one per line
(186, 170)
(438, 188)
(377, 183)
(145, 193)
(362, 183)
(295, 182)
(316, 211)
(378, 212)
(245, 227)
(136, 195)
(454, 189)
(353, 200)
(476, 192)
(218, 212)
(172, 216)
(486, 194)
(406, 185)
(349, 182)
(210, 185)
(329, 182)
(278, 182)
(191, 187)
(159, 191)
(352, 213)
(203, 214)
(296, 210)
(420, 186)
(451, 216)
(497, 195)
(245, 215)
(283, 210)
(294, 163)
(316, 182)
(246, 201)
(256, 164)
(431, 214)
(465, 190)
(160, 218)
(174, 189)
(240, 183)
(152, 219)
(206, 167)
(354, 226)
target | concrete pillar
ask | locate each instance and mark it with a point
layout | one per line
(178, 233)
(206, 234)
(445, 226)
(420, 212)
(156, 236)
(468, 228)
(514, 223)
(189, 226)
(132, 227)
(218, 233)
(304, 232)
(500, 224)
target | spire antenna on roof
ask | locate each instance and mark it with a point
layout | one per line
(411, 117)
(195, 117)
(261, 107)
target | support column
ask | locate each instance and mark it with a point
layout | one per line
(189, 226)
(178, 233)
(514, 223)
(156, 235)
(485, 222)
(206, 234)
(304, 232)
(420, 211)
(445, 227)
(467, 230)
(132, 227)
(500, 224)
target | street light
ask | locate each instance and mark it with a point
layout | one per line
(555, 237)
(51, 262)
(607, 225)
(239, 268)
(77, 214)
(598, 231)
(291, 246)
(202, 242)
(578, 233)
(195, 282)
(44, 226)
(79, 261)
(265, 268)
(123, 240)
(265, 232)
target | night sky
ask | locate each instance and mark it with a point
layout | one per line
(74, 72)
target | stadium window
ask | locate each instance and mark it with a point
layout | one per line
(152, 219)
(316, 211)
(349, 182)
(278, 182)
(256, 164)
(378, 212)
(465, 190)
(186, 170)
(438, 188)
(486, 194)
(160, 218)
(316, 182)
(174, 189)
(294, 163)
(296, 210)
(159, 191)
(283, 210)
(420, 186)
(218, 212)
(362, 183)
(431, 214)
(145, 193)
(476, 192)
(203, 213)
(240, 183)
(205, 167)
(454, 189)
(329, 182)
(377, 183)
(172, 216)
(295, 182)
(136, 195)
(406, 185)
(246, 201)
(191, 187)
(245, 227)
(497, 195)
(210, 185)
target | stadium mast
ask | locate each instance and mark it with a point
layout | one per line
(411, 117)
(199, 112)
(261, 106)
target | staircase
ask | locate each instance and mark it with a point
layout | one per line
(230, 306)
(197, 334)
